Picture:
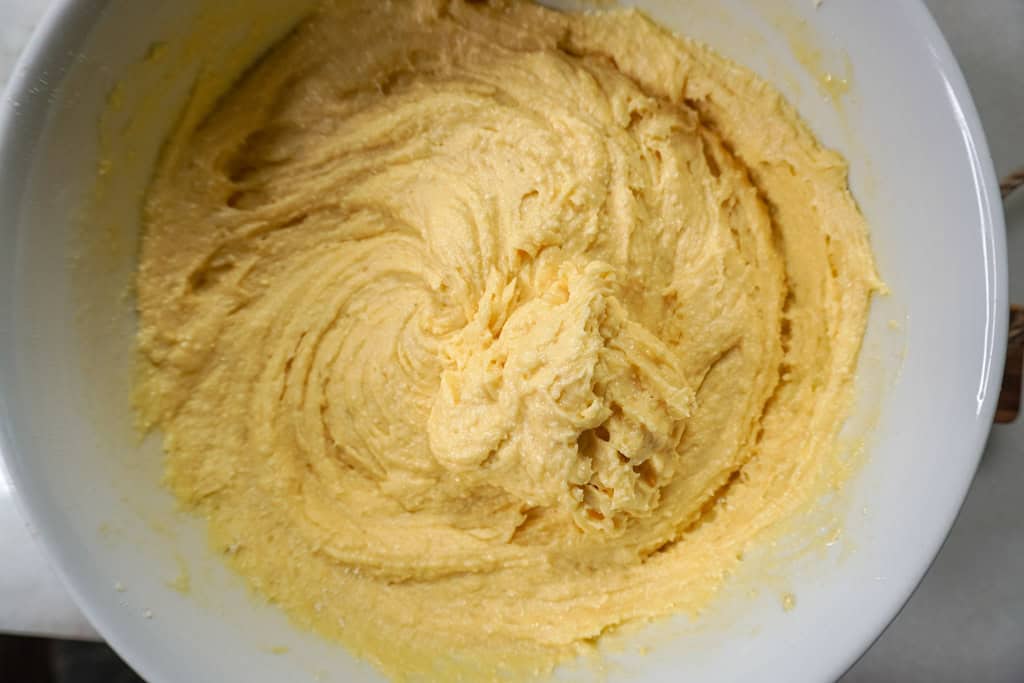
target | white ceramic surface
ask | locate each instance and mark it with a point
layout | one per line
(93, 492)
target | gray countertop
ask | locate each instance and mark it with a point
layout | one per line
(966, 621)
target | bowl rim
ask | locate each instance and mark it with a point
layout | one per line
(997, 306)
(48, 53)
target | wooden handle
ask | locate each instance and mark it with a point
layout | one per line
(1009, 394)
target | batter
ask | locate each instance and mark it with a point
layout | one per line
(477, 329)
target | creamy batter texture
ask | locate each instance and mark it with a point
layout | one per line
(477, 330)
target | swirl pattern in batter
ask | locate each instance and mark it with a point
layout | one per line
(483, 328)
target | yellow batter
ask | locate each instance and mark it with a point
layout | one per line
(477, 330)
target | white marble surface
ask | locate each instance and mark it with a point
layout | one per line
(966, 621)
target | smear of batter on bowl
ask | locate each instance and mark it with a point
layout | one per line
(477, 330)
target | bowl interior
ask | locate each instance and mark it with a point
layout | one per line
(105, 80)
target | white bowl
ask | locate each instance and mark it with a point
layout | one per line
(929, 373)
